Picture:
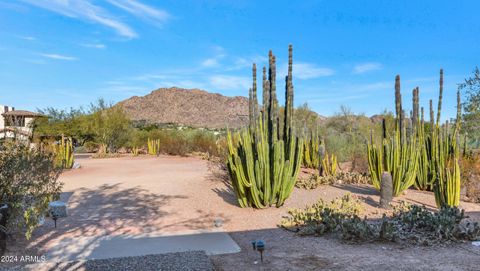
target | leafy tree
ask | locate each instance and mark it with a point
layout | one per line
(110, 126)
(72, 123)
(304, 117)
(471, 107)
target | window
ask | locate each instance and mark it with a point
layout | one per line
(15, 121)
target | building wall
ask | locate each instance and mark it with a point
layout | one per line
(22, 131)
(3, 109)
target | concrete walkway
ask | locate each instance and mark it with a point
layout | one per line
(104, 247)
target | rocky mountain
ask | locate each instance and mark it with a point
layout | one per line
(188, 107)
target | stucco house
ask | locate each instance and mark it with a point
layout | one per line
(16, 124)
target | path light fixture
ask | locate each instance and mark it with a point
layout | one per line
(260, 247)
(57, 209)
(218, 222)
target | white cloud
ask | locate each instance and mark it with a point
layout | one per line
(210, 62)
(59, 57)
(366, 67)
(308, 71)
(85, 10)
(141, 10)
(229, 82)
(29, 38)
(219, 53)
(94, 45)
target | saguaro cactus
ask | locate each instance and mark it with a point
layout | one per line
(263, 165)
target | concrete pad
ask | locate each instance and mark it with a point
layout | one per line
(104, 247)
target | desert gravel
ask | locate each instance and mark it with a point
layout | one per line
(184, 261)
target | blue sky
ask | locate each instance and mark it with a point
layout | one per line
(68, 53)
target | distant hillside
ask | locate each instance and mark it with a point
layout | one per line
(189, 107)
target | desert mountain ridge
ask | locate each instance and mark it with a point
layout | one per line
(188, 107)
(191, 107)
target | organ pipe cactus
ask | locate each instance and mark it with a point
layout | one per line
(263, 164)
(397, 154)
(311, 155)
(64, 153)
(424, 179)
(439, 167)
(432, 158)
(447, 168)
(446, 156)
(327, 164)
(401, 161)
(153, 146)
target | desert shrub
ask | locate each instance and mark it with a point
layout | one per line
(411, 224)
(470, 172)
(322, 217)
(313, 181)
(204, 142)
(28, 182)
(418, 225)
(182, 141)
(345, 134)
(137, 139)
(91, 146)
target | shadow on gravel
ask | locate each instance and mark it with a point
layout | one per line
(363, 190)
(217, 173)
(107, 209)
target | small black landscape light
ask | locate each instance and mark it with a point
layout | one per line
(57, 209)
(260, 247)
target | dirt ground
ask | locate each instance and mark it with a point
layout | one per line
(166, 194)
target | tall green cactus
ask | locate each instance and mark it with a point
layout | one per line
(64, 153)
(424, 179)
(311, 144)
(397, 154)
(153, 146)
(328, 164)
(446, 156)
(439, 167)
(430, 158)
(263, 164)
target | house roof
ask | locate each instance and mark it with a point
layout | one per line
(23, 113)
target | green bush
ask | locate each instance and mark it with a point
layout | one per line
(345, 135)
(177, 141)
(28, 182)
